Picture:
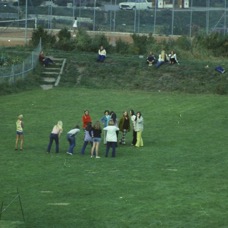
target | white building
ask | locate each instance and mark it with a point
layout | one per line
(167, 4)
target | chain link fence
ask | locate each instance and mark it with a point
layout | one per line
(20, 71)
(171, 18)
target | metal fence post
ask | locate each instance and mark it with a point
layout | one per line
(12, 74)
(23, 69)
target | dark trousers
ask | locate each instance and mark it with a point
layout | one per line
(47, 61)
(113, 146)
(53, 137)
(71, 140)
(134, 137)
(101, 58)
(84, 147)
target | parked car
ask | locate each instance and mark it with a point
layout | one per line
(135, 4)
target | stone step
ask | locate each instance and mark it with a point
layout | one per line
(51, 73)
(46, 87)
(49, 79)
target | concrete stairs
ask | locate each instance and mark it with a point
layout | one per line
(51, 75)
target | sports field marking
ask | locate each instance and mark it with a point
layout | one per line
(58, 204)
(46, 192)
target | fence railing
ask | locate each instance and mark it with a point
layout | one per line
(20, 71)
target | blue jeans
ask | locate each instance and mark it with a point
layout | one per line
(101, 58)
(71, 140)
(159, 63)
(84, 146)
(113, 145)
(53, 137)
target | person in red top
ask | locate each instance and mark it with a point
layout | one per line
(86, 119)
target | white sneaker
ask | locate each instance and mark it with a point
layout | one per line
(69, 153)
(98, 157)
(91, 156)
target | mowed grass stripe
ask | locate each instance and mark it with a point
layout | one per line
(178, 179)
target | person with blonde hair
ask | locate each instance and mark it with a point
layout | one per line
(161, 59)
(19, 132)
(111, 138)
(54, 136)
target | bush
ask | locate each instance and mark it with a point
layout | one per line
(83, 41)
(100, 40)
(48, 40)
(64, 40)
(122, 47)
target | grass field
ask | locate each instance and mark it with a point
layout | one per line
(178, 179)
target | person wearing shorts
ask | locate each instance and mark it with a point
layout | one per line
(96, 135)
(19, 132)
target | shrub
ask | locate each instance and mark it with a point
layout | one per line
(48, 39)
(122, 47)
(64, 40)
(83, 41)
(140, 43)
(99, 40)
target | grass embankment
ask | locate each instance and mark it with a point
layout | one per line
(178, 179)
(132, 72)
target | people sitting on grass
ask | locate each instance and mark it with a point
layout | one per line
(151, 59)
(172, 57)
(101, 54)
(45, 61)
(161, 59)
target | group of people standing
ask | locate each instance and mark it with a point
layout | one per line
(109, 124)
(93, 132)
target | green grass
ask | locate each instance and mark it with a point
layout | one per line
(178, 179)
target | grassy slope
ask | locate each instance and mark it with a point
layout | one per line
(179, 179)
(131, 72)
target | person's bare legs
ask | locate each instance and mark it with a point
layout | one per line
(16, 144)
(22, 141)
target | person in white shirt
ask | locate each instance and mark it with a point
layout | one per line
(111, 138)
(101, 54)
(71, 139)
(172, 58)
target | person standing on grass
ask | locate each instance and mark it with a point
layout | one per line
(71, 139)
(54, 136)
(19, 132)
(124, 126)
(105, 119)
(87, 137)
(96, 135)
(86, 119)
(113, 117)
(111, 138)
(139, 129)
(133, 117)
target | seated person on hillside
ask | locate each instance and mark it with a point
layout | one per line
(161, 59)
(150, 59)
(101, 54)
(172, 57)
(45, 60)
